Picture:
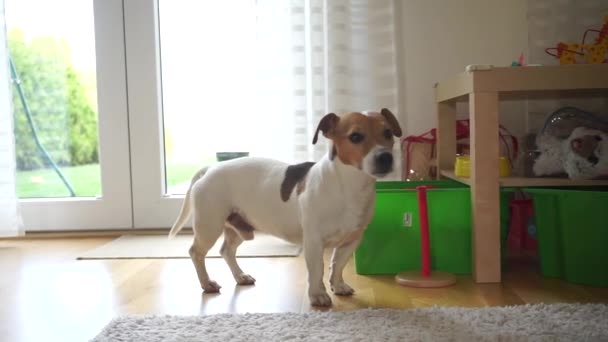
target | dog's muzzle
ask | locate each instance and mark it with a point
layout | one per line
(383, 163)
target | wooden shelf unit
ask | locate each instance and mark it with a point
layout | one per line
(482, 87)
(515, 181)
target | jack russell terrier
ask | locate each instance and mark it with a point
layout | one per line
(320, 205)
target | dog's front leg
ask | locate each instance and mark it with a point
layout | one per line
(339, 259)
(313, 253)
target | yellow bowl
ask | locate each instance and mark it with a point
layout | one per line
(462, 168)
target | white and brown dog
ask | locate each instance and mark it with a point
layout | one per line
(318, 205)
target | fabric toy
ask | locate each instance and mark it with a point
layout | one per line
(583, 155)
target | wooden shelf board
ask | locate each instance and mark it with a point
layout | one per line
(524, 79)
(530, 182)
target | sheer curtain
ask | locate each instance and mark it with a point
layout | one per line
(9, 218)
(345, 60)
(340, 55)
(262, 73)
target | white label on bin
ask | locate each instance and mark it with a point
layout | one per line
(407, 219)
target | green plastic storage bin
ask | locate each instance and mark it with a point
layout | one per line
(391, 243)
(572, 234)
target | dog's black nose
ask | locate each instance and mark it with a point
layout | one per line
(384, 162)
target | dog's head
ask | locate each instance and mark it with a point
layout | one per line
(364, 141)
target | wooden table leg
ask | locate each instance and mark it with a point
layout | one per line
(446, 136)
(485, 187)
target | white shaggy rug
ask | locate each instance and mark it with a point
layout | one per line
(556, 322)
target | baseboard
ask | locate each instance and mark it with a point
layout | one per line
(66, 234)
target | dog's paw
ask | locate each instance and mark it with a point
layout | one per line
(245, 279)
(211, 287)
(342, 289)
(321, 299)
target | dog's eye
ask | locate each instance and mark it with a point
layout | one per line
(356, 138)
(598, 138)
(387, 133)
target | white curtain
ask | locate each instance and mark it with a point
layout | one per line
(344, 59)
(10, 223)
(266, 71)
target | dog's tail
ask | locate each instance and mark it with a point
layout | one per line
(184, 213)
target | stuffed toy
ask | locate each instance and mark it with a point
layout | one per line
(582, 155)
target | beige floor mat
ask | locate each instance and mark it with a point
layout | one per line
(160, 247)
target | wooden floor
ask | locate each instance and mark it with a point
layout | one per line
(48, 295)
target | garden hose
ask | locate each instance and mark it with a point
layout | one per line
(26, 109)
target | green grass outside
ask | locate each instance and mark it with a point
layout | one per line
(85, 180)
(181, 172)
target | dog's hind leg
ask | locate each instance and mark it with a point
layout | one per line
(200, 246)
(232, 240)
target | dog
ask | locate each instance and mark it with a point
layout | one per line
(327, 204)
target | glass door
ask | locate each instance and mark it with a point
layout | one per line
(199, 72)
(70, 113)
(117, 103)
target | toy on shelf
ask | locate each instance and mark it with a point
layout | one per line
(573, 53)
(519, 62)
(574, 142)
(419, 151)
(462, 166)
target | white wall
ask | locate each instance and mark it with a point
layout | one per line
(441, 37)
(549, 22)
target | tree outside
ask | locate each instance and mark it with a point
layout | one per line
(54, 53)
(63, 109)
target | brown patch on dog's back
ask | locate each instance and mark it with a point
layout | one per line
(300, 187)
(294, 175)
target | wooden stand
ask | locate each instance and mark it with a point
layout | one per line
(424, 277)
(417, 279)
(482, 87)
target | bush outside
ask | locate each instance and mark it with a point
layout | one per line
(63, 112)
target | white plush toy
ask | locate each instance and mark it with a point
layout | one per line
(583, 155)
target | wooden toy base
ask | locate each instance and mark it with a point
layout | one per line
(416, 279)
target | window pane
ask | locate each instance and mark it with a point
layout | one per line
(225, 82)
(52, 47)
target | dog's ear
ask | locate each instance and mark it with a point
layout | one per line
(392, 121)
(327, 124)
